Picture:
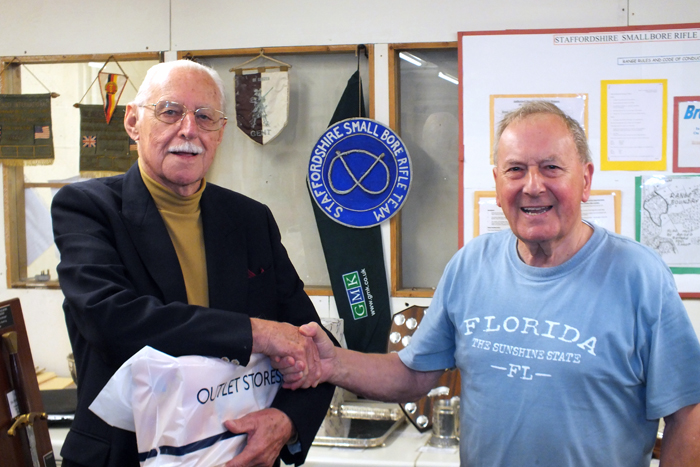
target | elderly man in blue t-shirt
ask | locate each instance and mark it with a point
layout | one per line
(572, 341)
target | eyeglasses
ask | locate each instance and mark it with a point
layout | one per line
(173, 112)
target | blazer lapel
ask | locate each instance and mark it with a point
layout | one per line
(151, 238)
(227, 261)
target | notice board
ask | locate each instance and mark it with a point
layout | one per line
(628, 86)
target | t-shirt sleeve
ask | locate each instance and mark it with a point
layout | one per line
(432, 347)
(673, 371)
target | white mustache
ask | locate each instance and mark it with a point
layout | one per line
(186, 147)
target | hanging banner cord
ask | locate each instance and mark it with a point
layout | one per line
(16, 60)
(360, 48)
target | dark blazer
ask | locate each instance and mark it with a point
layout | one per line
(124, 289)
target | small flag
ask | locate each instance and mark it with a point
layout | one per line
(89, 141)
(111, 87)
(42, 132)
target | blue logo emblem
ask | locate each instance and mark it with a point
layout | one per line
(359, 172)
(692, 112)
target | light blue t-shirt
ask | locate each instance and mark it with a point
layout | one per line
(565, 366)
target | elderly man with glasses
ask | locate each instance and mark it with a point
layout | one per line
(160, 257)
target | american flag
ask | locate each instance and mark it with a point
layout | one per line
(42, 132)
(89, 141)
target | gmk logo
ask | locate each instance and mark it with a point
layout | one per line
(692, 112)
(356, 296)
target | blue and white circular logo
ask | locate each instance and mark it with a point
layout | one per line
(359, 172)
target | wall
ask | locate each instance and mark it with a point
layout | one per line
(39, 27)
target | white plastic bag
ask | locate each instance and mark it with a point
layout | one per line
(177, 406)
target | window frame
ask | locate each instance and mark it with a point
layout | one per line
(396, 267)
(13, 175)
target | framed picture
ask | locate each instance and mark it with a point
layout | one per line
(633, 124)
(667, 221)
(686, 134)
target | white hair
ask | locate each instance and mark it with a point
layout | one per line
(545, 107)
(157, 74)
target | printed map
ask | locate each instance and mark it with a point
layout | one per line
(670, 218)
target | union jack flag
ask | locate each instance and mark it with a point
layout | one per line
(89, 141)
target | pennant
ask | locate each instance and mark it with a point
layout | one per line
(105, 148)
(355, 259)
(25, 129)
(111, 88)
(262, 104)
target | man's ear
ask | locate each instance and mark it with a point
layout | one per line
(495, 179)
(131, 120)
(587, 181)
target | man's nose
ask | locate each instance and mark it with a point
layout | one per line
(188, 125)
(534, 184)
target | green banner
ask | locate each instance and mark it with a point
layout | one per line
(26, 134)
(105, 148)
(355, 259)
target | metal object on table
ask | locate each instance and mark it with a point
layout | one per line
(71, 368)
(360, 424)
(445, 423)
(368, 411)
(420, 412)
(60, 406)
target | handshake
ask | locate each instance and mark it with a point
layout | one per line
(306, 357)
(303, 355)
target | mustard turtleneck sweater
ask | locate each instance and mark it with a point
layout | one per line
(183, 220)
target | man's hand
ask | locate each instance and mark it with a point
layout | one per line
(268, 431)
(294, 379)
(290, 352)
(381, 377)
(326, 349)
